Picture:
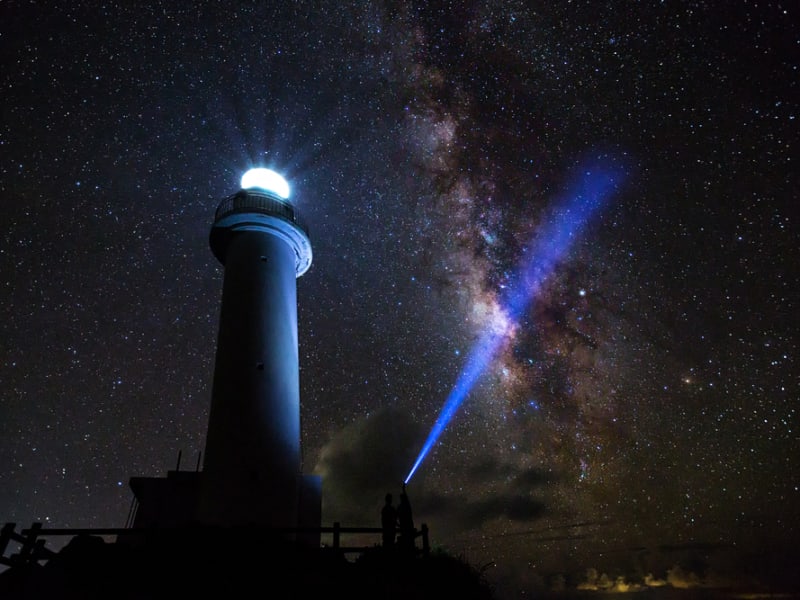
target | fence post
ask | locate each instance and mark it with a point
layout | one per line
(5, 536)
(26, 553)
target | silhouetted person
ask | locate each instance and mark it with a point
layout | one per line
(389, 522)
(406, 521)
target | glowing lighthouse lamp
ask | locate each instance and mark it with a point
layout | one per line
(252, 465)
(266, 179)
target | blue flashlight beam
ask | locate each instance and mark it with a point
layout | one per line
(553, 241)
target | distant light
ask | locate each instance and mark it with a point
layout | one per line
(266, 179)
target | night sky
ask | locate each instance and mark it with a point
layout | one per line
(638, 423)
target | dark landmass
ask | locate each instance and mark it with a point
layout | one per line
(235, 564)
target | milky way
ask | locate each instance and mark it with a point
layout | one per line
(641, 416)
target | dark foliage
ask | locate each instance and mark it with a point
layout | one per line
(235, 564)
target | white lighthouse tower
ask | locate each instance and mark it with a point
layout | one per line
(252, 462)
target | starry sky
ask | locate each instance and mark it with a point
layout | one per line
(637, 424)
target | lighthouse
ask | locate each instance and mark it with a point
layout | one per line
(252, 460)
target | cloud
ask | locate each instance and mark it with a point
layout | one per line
(372, 456)
(514, 496)
(365, 460)
(513, 506)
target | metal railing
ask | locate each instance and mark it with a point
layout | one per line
(32, 548)
(252, 201)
